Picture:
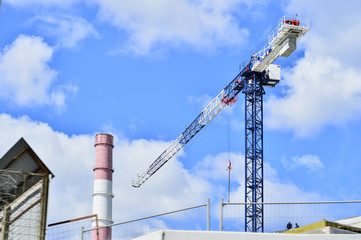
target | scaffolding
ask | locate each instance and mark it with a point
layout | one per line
(24, 187)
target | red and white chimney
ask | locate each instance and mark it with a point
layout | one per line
(103, 185)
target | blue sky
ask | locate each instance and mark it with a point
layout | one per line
(143, 70)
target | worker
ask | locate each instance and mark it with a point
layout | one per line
(296, 225)
(289, 225)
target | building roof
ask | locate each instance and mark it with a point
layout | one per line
(20, 169)
(21, 157)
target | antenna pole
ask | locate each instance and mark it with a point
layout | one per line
(229, 168)
(229, 184)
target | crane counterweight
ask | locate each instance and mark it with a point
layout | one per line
(281, 42)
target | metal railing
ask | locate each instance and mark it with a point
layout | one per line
(72, 228)
(198, 217)
(191, 218)
(278, 214)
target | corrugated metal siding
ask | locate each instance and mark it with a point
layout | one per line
(24, 163)
(26, 160)
(9, 156)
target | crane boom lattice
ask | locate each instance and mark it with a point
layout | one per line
(227, 96)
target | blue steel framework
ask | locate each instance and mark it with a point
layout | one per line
(254, 91)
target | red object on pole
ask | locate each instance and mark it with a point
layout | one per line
(229, 165)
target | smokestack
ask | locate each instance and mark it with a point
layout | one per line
(103, 185)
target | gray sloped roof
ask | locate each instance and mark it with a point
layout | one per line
(20, 169)
(21, 157)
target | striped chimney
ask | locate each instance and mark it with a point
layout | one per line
(103, 193)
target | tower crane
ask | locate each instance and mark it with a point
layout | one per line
(251, 79)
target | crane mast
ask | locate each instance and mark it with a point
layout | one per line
(254, 91)
(281, 42)
(251, 79)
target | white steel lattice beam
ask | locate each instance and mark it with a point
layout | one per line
(226, 97)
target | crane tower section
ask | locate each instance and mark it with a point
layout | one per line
(281, 42)
(254, 92)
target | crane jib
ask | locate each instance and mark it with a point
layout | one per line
(227, 96)
(224, 98)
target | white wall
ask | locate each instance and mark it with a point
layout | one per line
(210, 235)
(354, 222)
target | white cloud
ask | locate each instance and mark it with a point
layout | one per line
(172, 187)
(71, 159)
(202, 25)
(324, 87)
(279, 191)
(213, 169)
(335, 27)
(321, 91)
(69, 30)
(202, 100)
(311, 162)
(275, 190)
(26, 77)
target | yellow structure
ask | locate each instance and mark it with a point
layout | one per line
(325, 227)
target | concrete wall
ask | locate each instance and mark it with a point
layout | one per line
(210, 235)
